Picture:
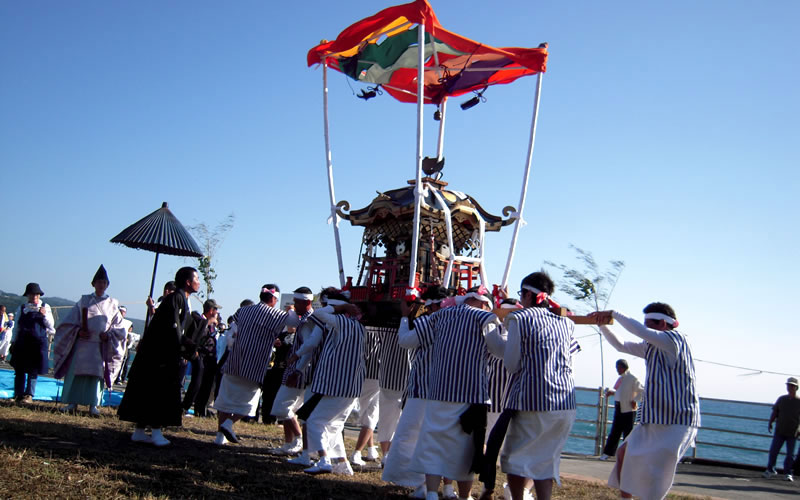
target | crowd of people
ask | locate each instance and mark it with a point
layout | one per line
(460, 383)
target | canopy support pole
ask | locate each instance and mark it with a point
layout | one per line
(329, 163)
(525, 178)
(440, 145)
(418, 185)
(152, 286)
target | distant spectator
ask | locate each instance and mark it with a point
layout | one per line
(627, 391)
(200, 334)
(787, 412)
(129, 335)
(6, 327)
(29, 343)
(89, 347)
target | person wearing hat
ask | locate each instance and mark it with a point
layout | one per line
(627, 391)
(670, 417)
(201, 352)
(153, 395)
(29, 343)
(786, 411)
(89, 347)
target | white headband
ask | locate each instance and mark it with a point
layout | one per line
(532, 289)
(658, 316)
(432, 301)
(335, 302)
(472, 295)
(274, 293)
(303, 296)
(509, 306)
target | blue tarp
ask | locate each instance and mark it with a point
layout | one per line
(49, 389)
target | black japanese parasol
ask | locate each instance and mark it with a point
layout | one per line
(159, 232)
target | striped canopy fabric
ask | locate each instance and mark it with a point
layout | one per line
(159, 232)
(383, 50)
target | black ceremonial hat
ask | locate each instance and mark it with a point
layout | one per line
(101, 274)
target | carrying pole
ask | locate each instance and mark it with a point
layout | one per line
(525, 178)
(418, 184)
(334, 218)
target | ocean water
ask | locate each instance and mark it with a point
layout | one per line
(714, 439)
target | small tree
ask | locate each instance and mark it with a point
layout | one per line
(210, 240)
(590, 286)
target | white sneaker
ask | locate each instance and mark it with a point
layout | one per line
(449, 491)
(789, 478)
(603, 457)
(322, 467)
(227, 428)
(139, 436)
(419, 492)
(356, 458)
(220, 440)
(302, 459)
(93, 411)
(295, 447)
(527, 495)
(69, 408)
(342, 468)
(372, 454)
(769, 473)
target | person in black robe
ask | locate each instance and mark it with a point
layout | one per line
(153, 395)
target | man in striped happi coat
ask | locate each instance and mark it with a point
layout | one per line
(670, 416)
(450, 443)
(392, 378)
(290, 394)
(369, 400)
(337, 383)
(540, 401)
(397, 464)
(258, 327)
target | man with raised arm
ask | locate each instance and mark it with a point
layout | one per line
(646, 461)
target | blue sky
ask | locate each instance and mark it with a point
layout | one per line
(667, 138)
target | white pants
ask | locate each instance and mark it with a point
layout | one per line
(368, 404)
(534, 442)
(287, 401)
(324, 426)
(397, 463)
(443, 448)
(389, 411)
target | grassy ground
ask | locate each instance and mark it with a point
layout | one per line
(50, 455)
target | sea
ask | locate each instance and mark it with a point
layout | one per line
(731, 431)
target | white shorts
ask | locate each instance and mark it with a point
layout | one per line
(534, 442)
(287, 401)
(443, 448)
(389, 411)
(238, 396)
(368, 403)
(652, 452)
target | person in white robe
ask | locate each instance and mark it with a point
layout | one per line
(89, 347)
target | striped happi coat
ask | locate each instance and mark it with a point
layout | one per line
(304, 378)
(372, 352)
(670, 396)
(421, 359)
(459, 371)
(394, 363)
(544, 380)
(258, 327)
(498, 383)
(341, 370)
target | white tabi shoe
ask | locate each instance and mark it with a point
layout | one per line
(603, 457)
(140, 436)
(69, 408)
(372, 454)
(159, 439)
(302, 459)
(93, 411)
(356, 458)
(227, 428)
(324, 466)
(342, 468)
(448, 491)
(220, 440)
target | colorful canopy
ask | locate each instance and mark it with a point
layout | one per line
(382, 49)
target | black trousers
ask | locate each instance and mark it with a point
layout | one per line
(272, 383)
(194, 384)
(488, 475)
(206, 385)
(621, 426)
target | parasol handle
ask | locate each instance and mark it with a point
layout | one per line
(152, 286)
